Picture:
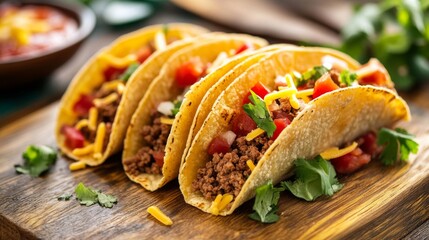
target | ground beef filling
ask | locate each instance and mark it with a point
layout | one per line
(226, 173)
(149, 159)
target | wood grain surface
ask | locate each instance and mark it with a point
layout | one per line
(377, 202)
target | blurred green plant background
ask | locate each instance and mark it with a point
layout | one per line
(397, 33)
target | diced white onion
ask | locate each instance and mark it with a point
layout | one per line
(165, 108)
(229, 137)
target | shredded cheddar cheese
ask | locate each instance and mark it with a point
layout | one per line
(250, 165)
(159, 215)
(214, 209)
(254, 133)
(106, 100)
(334, 152)
(118, 62)
(160, 41)
(77, 166)
(284, 93)
(183, 35)
(83, 151)
(226, 199)
(93, 115)
(99, 140)
(112, 85)
(305, 93)
(81, 124)
(168, 121)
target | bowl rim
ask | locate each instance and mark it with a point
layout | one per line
(86, 23)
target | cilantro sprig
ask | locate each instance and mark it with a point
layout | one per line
(314, 178)
(347, 77)
(37, 159)
(265, 206)
(88, 196)
(130, 70)
(398, 144)
(176, 108)
(258, 111)
(311, 74)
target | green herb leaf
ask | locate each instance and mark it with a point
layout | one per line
(311, 74)
(165, 29)
(398, 144)
(347, 77)
(314, 178)
(416, 13)
(37, 159)
(365, 22)
(106, 200)
(265, 206)
(130, 70)
(89, 196)
(86, 195)
(65, 197)
(176, 109)
(260, 114)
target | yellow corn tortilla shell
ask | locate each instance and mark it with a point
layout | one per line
(91, 76)
(330, 120)
(164, 88)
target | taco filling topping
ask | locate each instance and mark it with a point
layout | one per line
(96, 110)
(264, 115)
(150, 158)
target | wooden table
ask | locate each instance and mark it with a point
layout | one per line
(377, 202)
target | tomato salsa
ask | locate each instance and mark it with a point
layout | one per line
(31, 29)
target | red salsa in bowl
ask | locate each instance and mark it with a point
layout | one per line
(30, 29)
(37, 37)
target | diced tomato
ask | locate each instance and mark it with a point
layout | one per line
(82, 106)
(189, 73)
(242, 124)
(112, 73)
(218, 145)
(143, 54)
(259, 89)
(378, 77)
(323, 85)
(281, 123)
(351, 162)
(369, 144)
(74, 138)
(159, 158)
(243, 48)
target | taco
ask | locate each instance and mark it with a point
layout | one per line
(156, 138)
(97, 107)
(295, 103)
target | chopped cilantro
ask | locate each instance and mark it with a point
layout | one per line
(177, 105)
(86, 195)
(347, 77)
(311, 74)
(398, 145)
(37, 159)
(65, 197)
(265, 206)
(106, 200)
(89, 196)
(130, 70)
(314, 178)
(260, 114)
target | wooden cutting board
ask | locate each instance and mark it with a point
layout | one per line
(377, 202)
